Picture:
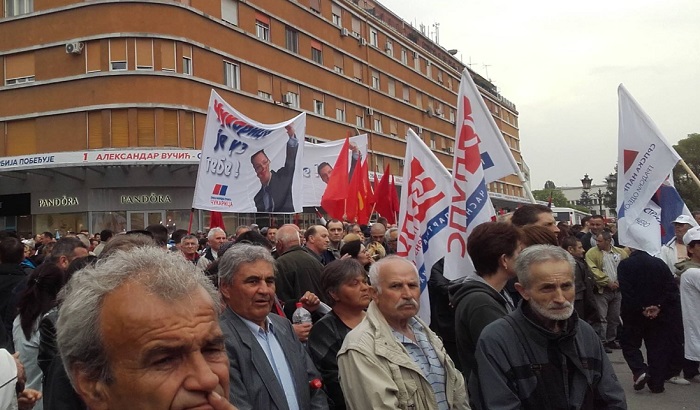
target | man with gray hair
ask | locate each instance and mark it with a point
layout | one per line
(215, 238)
(270, 368)
(140, 329)
(392, 359)
(542, 356)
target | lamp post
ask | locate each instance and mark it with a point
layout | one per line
(611, 182)
(586, 184)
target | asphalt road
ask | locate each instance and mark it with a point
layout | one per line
(675, 397)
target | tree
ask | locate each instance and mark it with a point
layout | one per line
(689, 149)
(558, 198)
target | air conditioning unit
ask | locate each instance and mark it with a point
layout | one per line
(344, 32)
(363, 42)
(286, 100)
(75, 47)
(369, 111)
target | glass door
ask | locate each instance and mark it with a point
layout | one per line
(139, 220)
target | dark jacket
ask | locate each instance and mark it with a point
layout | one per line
(12, 279)
(442, 313)
(476, 304)
(280, 186)
(297, 273)
(585, 303)
(324, 343)
(523, 365)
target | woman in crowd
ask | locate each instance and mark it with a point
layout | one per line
(38, 298)
(357, 251)
(344, 283)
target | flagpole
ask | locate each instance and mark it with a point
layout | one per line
(690, 172)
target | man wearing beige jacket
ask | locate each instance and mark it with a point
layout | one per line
(392, 360)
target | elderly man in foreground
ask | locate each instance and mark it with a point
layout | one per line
(140, 330)
(542, 356)
(392, 359)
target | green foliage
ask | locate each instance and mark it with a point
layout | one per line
(558, 198)
(689, 149)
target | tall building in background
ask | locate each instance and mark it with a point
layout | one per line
(103, 103)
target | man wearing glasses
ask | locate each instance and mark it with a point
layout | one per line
(275, 194)
(188, 247)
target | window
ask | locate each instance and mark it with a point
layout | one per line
(167, 56)
(316, 53)
(265, 85)
(117, 55)
(356, 27)
(292, 99)
(18, 7)
(318, 107)
(432, 141)
(336, 13)
(428, 69)
(264, 95)
(452, 115)
(338, 62)
(92, 56)
(389, 48)
(357, 71)
(404, 56)
(291, 39)
(406, 93)
(416, 61)
(232, 75)
(315, 5)
(144, 54)
(187, 60)
(440, 76)
(392, 88)
(340, 114)
(377, 124)
(375, 79)
(360, 121)
(229, 11)
(393, 127)
(262, 27)
(373, 37)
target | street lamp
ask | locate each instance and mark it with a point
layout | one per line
(586, 183)
(611, 182)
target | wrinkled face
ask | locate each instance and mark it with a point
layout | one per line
(399, 296)
(325, 173)
(547, 220)
(354, 293)
(261, 165)
(217, 240)
(335, 231)
(189, 246)
(680, 230)
(602, 244)
(251, 292)
(319, 241)
(377, 232)
(393, 240)
(551, 290)
(596, 225)
(163, 354)
(271, 234)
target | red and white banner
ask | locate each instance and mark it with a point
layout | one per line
(423, 213)
(247, 166)
(469, 202)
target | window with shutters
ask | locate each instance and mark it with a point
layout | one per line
(19, 68)
(291, 39)
(187, 60)
(262, 27)
(265, 85)
(338, 62)
(316, 52)
(336, 14)
(229, 11)
(404, 56)
(170, 128)
(187, 136)
(373, 36)
(21, 137)
(119, 129)
(232, 75)
(377, 123)
(318, 107)
(392, 87)
(340, 111)
(315, 6)
(356, 27)
(357, 71)
(94, 120)
(406, 92)
(146, 128)
(393, 127)
(375, 79)
(168, 56)
(117, 54)
(144, 54)
(92, 57)
(18, 7)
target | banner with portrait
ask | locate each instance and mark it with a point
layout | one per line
(318, 164)
(247, 166)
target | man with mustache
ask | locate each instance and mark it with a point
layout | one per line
(392, 359)
(542, 356)
(270, 368)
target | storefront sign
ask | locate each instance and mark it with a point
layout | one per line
(58, 201)
(146, 199)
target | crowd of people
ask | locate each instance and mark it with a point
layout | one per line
(158, 319)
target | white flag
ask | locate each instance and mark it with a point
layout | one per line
(423, 213)
(247, 166)
(645, 159)
(469, 200)
(496, 157)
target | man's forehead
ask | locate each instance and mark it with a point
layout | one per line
(397, 270)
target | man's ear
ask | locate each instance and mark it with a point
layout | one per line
(93, 392)
(373, 293)
(523, 292)
(225, 290)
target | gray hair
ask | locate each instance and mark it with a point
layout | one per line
(238, 255)
(606, 235)
(537, 254)
(387, 234)
(125, 242)
(377, 266)
(213, 232)
(166, 275)
(337, 273)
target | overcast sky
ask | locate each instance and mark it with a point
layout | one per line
(561, 62)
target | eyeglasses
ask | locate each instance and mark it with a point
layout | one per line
(261, 166)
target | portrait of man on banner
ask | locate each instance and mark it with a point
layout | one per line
(247, 166)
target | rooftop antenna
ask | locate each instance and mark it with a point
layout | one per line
(486, 67)
(437, 32)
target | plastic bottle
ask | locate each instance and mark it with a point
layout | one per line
(301, 315)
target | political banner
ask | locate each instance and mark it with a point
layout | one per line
(645, 160)
(318, 164)
(423, 214)
(496, 158)
(469, 198)
(247, 166)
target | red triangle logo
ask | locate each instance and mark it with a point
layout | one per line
(628, 157)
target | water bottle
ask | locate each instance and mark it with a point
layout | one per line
(301, 315)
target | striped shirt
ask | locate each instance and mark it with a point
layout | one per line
(423, 354)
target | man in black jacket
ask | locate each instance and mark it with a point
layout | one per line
(12, 279)
(584, 303)
(481, 299)
(650, 304)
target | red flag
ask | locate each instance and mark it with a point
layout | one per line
(216, 220)
(336, 193)
(395, 204)
(383, 195)
(355, 201)
(366, 198)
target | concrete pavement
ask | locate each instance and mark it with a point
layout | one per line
(675, 397)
